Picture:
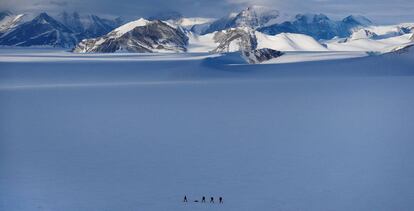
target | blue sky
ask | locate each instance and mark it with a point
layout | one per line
(381, 11)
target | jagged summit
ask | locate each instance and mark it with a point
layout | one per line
(44, 19)
(88, 26)
(357, 20)
(253, 17)
(61, 30)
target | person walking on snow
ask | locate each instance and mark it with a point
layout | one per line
(203, 200)
(211, 199)
(221, 200)
(185, 198)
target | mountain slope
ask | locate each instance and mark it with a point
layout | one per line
(142, 36)
(88, 26)
(288, 42)
(319, 26)
(9, 21)
(253, 17)
(42, 30)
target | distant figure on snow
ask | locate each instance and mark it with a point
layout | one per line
(211, 199)
(185, 199)
(203, 200)
(221, 200)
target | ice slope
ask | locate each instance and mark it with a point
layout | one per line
(201, 43)
(129, 26)
(140, 134)
(288, 42)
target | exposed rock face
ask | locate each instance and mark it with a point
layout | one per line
(9, 21)
(141, 36)
(243, 40)
(239, 39)
(260, 55)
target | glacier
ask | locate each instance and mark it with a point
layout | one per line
(139, 131)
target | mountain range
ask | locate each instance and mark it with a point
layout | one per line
(172, 32)
(64, 30)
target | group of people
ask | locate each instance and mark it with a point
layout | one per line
(203, 200)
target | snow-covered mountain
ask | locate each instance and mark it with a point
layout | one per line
(319, 26)
(42, 30)
(363, 34)
(143, 36)
(271, 21)
(253, 17)
(9, 21)
(354, 21)
(62, 30)
(88, 26)
(172, 32)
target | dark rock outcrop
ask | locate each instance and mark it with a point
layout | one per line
(260, 55)
(152, 36)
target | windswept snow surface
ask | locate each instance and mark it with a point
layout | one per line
(378, 45)
(288, 42)
(201, 43)
(138, 132)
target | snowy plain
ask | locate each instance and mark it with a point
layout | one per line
(138, 132)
